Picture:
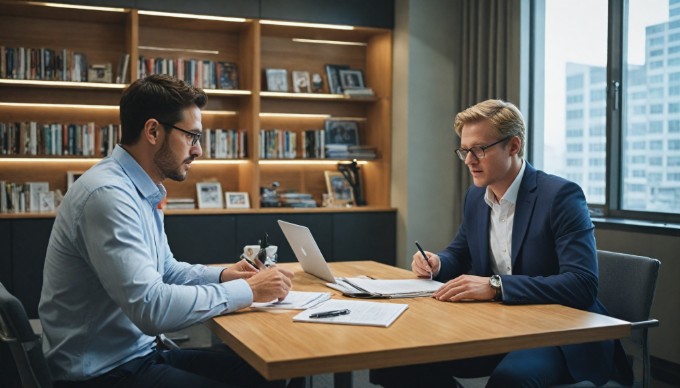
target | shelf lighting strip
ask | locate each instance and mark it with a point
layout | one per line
(296, 115)
(55, 159)
(68, 106)
(87, 160)
(62, 83)
(336, 42)
(308, 162)
(83, 7)
(325, 96)
(309, 25)
(154, 48)
(193, 16)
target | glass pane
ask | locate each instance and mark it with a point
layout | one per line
(575, 82)
(651, 134)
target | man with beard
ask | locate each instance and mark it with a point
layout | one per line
(111, 284)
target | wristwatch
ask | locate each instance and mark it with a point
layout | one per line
(495, 283)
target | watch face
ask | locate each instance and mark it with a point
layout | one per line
(495, 281)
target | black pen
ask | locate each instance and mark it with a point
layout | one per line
(422, 252)
(328, 314)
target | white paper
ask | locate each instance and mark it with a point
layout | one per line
(402, 288)
(361, 313)
(295, 300)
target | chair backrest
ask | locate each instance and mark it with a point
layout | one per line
(17, 333)
(627, 284)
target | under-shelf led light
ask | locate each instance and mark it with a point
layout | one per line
(296, 115)
(220, 161)
(193, 16)
(68, 106)
(304, 95)
(56, 159)
(73, 6)
(336, 42)
(219, 113)
(228, 92)
(310, 25)
(154, 48)
(316, 162)
(63, 83)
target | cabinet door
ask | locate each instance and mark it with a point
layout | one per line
(251, 228)
(204, 239)
(29, 248)
(365, 236)
(6, 255)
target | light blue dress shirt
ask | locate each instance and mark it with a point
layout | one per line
(110, 283)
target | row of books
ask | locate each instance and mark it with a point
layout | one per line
(297, 200)
(26, 197)
(199, 73)
(224, 143)
(344, 151)
(179, 203)
(50, 139)
(42, 64)
(277, 144)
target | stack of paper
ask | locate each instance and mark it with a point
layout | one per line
(296, 300)
(399, 288)
(360, 313)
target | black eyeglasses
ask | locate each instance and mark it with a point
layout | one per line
(478, 151)
(195, 136)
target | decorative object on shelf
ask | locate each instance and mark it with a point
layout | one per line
(317, 83)
(100, 72)
(339, 188)
(277, 80)
(123, 65)
(35, 189)
(227, 75)
(209, 195)
(46, 201)
(269, 197)
(237, 200)
(345, 132)
(351, 79)
(333, 76)
(352, 174)
(297, 200)
(71, 177)
(301, 82)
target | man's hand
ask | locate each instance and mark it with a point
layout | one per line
(421, 269)
(466, 287)
(270, 283)
(240, 270)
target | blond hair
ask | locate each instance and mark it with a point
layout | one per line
(504, 116)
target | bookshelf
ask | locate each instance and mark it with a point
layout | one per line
(254, 45)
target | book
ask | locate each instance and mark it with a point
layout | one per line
(35, 189)
(227, 75)
(361, 313)
(123, 64)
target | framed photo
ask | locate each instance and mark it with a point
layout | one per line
(237, 200)
(351, 79)
(301, 82)
(227, 75)
(71, 177)
(277, 80)
(209, 195)
(343, 132)
(339, 189)
(334, 78)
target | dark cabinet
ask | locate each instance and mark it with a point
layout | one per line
(365, 236)
(205, 239)
(6, 254)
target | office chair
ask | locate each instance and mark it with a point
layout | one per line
(25, 346)
(626, 289)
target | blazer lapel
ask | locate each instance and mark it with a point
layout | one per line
(524, 208)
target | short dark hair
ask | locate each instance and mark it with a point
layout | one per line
(157, 96)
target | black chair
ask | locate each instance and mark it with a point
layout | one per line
(626, 289)
(25, 346)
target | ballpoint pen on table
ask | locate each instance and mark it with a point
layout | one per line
(328, 314)
(422, 252)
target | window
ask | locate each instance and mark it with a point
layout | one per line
(641, 133)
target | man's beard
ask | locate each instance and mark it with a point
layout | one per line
(165, 160)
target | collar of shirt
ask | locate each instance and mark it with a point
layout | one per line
(151, 192)
(511, 194)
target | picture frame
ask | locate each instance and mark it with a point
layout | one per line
(209, 195)
(351, 79)
(339, 189)
(301, 82)
(227, 75)
(277, 80)
(237, 200)
(71, 177)
(332, 73)
(344, 132)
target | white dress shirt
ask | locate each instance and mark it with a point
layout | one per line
(500, 230)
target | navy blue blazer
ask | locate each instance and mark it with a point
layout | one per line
(554, 259)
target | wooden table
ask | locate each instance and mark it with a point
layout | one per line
(428, 331)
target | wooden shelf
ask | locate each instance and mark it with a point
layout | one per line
(103, 35)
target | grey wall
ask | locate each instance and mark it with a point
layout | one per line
(425, 81)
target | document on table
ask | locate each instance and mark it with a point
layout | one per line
(360, 313)
(295, 300)
(398, 288)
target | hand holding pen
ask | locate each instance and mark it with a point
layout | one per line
(424, 265)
